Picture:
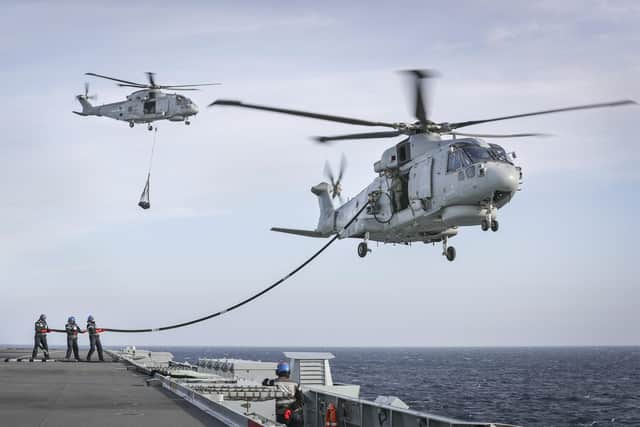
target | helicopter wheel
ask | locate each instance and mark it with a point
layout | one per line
(187, 122)
(363, 249)
(130, 124)
(494, 225)
(149, 127)
(450, 253)
(484, 224)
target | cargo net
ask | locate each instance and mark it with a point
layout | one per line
(145, 202)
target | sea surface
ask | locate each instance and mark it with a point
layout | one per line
(573, 386)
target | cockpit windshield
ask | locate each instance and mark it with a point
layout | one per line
(499, 153)
(477, 153)
(467, 153)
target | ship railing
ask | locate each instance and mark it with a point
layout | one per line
(356, 412)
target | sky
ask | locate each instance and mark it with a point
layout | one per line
(562, 270)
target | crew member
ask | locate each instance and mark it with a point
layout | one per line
(94, 339)
(396, 190)
(288, 407)
(72, 330)
(40, 340)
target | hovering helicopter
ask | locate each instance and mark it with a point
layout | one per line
(143, 106)
(427, 187)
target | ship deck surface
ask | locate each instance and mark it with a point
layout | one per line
(86, 394)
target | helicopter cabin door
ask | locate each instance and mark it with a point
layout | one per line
(420, 182)
(149, 107)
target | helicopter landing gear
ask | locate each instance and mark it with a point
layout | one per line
(187, 122)
(448, 251)
(363, 248)
(484, 224)
(130, 124)
(149, 127)
(494, 225)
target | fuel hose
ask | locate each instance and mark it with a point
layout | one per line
(251, 298)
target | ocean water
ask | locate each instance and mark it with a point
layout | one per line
(574, 386)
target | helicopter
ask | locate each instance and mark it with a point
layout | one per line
(427, 187)
(143, 106)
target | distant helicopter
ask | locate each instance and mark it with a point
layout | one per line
(143, 106)
(427, 187)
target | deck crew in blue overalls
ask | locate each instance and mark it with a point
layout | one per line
(72, 330)
(40, 339)
(94, 339)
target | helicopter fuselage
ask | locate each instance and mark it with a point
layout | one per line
(144, 106)
(426, 189)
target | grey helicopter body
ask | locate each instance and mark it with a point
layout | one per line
(427, 187)
(425, 190)
(146, 105)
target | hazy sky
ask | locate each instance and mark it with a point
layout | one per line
(562, 270)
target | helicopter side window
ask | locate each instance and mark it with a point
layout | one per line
(179, 100)
(455, 161)
(464, 159)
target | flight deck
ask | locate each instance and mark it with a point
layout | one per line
(147, 388)
(86, 394)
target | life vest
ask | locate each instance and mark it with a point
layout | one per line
(331, 418)
(72, 330)
(41, 327)
(92, 329)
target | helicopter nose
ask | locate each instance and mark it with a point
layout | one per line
(194, 108)
(504, 177)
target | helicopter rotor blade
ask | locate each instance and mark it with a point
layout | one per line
(116, 80)
(329, 174)
(368, 135)
(175, 88)
(459, 125)
(331, 118)
(192, 85)
(343, 167)
(421, 110)
(488, 135)
(136, 86)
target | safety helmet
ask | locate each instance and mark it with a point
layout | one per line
(43, 317)
(283, 369)
(90, 318)
(71, 319)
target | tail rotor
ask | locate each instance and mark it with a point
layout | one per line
(86, 95)
(336, 184)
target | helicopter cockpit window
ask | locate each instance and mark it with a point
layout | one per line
(455, 161)
(477, 154)
(179, 99)
(499, 153)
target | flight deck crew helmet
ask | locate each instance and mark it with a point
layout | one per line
(43, 317)
(71, 319)
(283, 369)
(90, 318)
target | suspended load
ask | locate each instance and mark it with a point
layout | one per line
(144, 202)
